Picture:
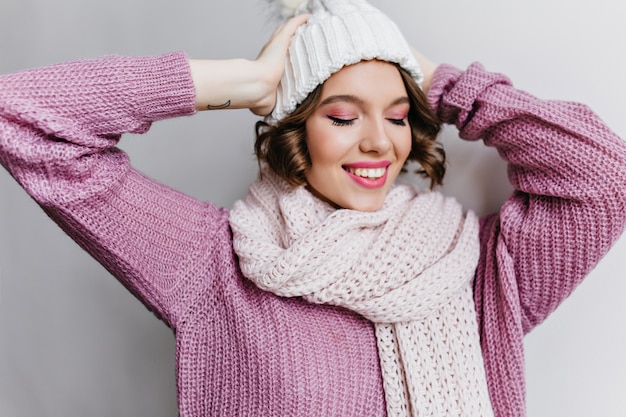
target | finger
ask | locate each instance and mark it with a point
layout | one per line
(292, 24)
(285, 32)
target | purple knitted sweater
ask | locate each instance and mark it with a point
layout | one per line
(245, 352)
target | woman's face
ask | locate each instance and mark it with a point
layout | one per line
(359, 136)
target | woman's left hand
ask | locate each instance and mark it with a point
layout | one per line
(428, 68)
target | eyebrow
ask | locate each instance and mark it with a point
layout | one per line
(356, 100)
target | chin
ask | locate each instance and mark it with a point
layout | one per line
(369, 209)
(367, 206)
(359, 202)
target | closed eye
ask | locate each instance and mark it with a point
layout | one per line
(399, 122)
(341, 122)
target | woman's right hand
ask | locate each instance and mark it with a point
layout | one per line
(241, 83)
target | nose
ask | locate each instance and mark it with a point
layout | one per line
(375, 138)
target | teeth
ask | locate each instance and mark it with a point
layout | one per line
(371, 173)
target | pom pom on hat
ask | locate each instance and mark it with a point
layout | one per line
(338, 33)
(286, 8)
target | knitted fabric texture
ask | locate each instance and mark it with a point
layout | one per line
(339, 33)
(407, 267)
(242, 351)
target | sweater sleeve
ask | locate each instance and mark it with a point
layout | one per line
(568, 207)
(59, 127)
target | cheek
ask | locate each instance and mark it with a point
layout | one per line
(325, 144)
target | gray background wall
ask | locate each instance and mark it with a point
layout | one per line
(73, 342)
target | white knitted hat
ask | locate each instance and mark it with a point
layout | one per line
(339, 33)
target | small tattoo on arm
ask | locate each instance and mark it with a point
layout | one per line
(221, 106)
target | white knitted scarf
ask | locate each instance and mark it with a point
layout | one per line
(407, 267)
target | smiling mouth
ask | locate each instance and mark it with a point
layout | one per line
(369, 173)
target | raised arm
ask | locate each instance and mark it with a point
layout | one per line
(569, 174)
(59, 127)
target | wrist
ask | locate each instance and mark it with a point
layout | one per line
(226, 84)
(428, 69)
(429, 73)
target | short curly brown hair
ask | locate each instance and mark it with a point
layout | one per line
(283, 147)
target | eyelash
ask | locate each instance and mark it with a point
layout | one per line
(341, 122)
(398, 122)
(349, 122)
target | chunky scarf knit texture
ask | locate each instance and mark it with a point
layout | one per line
(407, 267)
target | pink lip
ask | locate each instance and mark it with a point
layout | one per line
(366, 182)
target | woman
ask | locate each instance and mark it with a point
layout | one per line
(254, 346)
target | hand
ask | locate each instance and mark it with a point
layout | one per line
(428, 68)
(271, 62)
(241, 83)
